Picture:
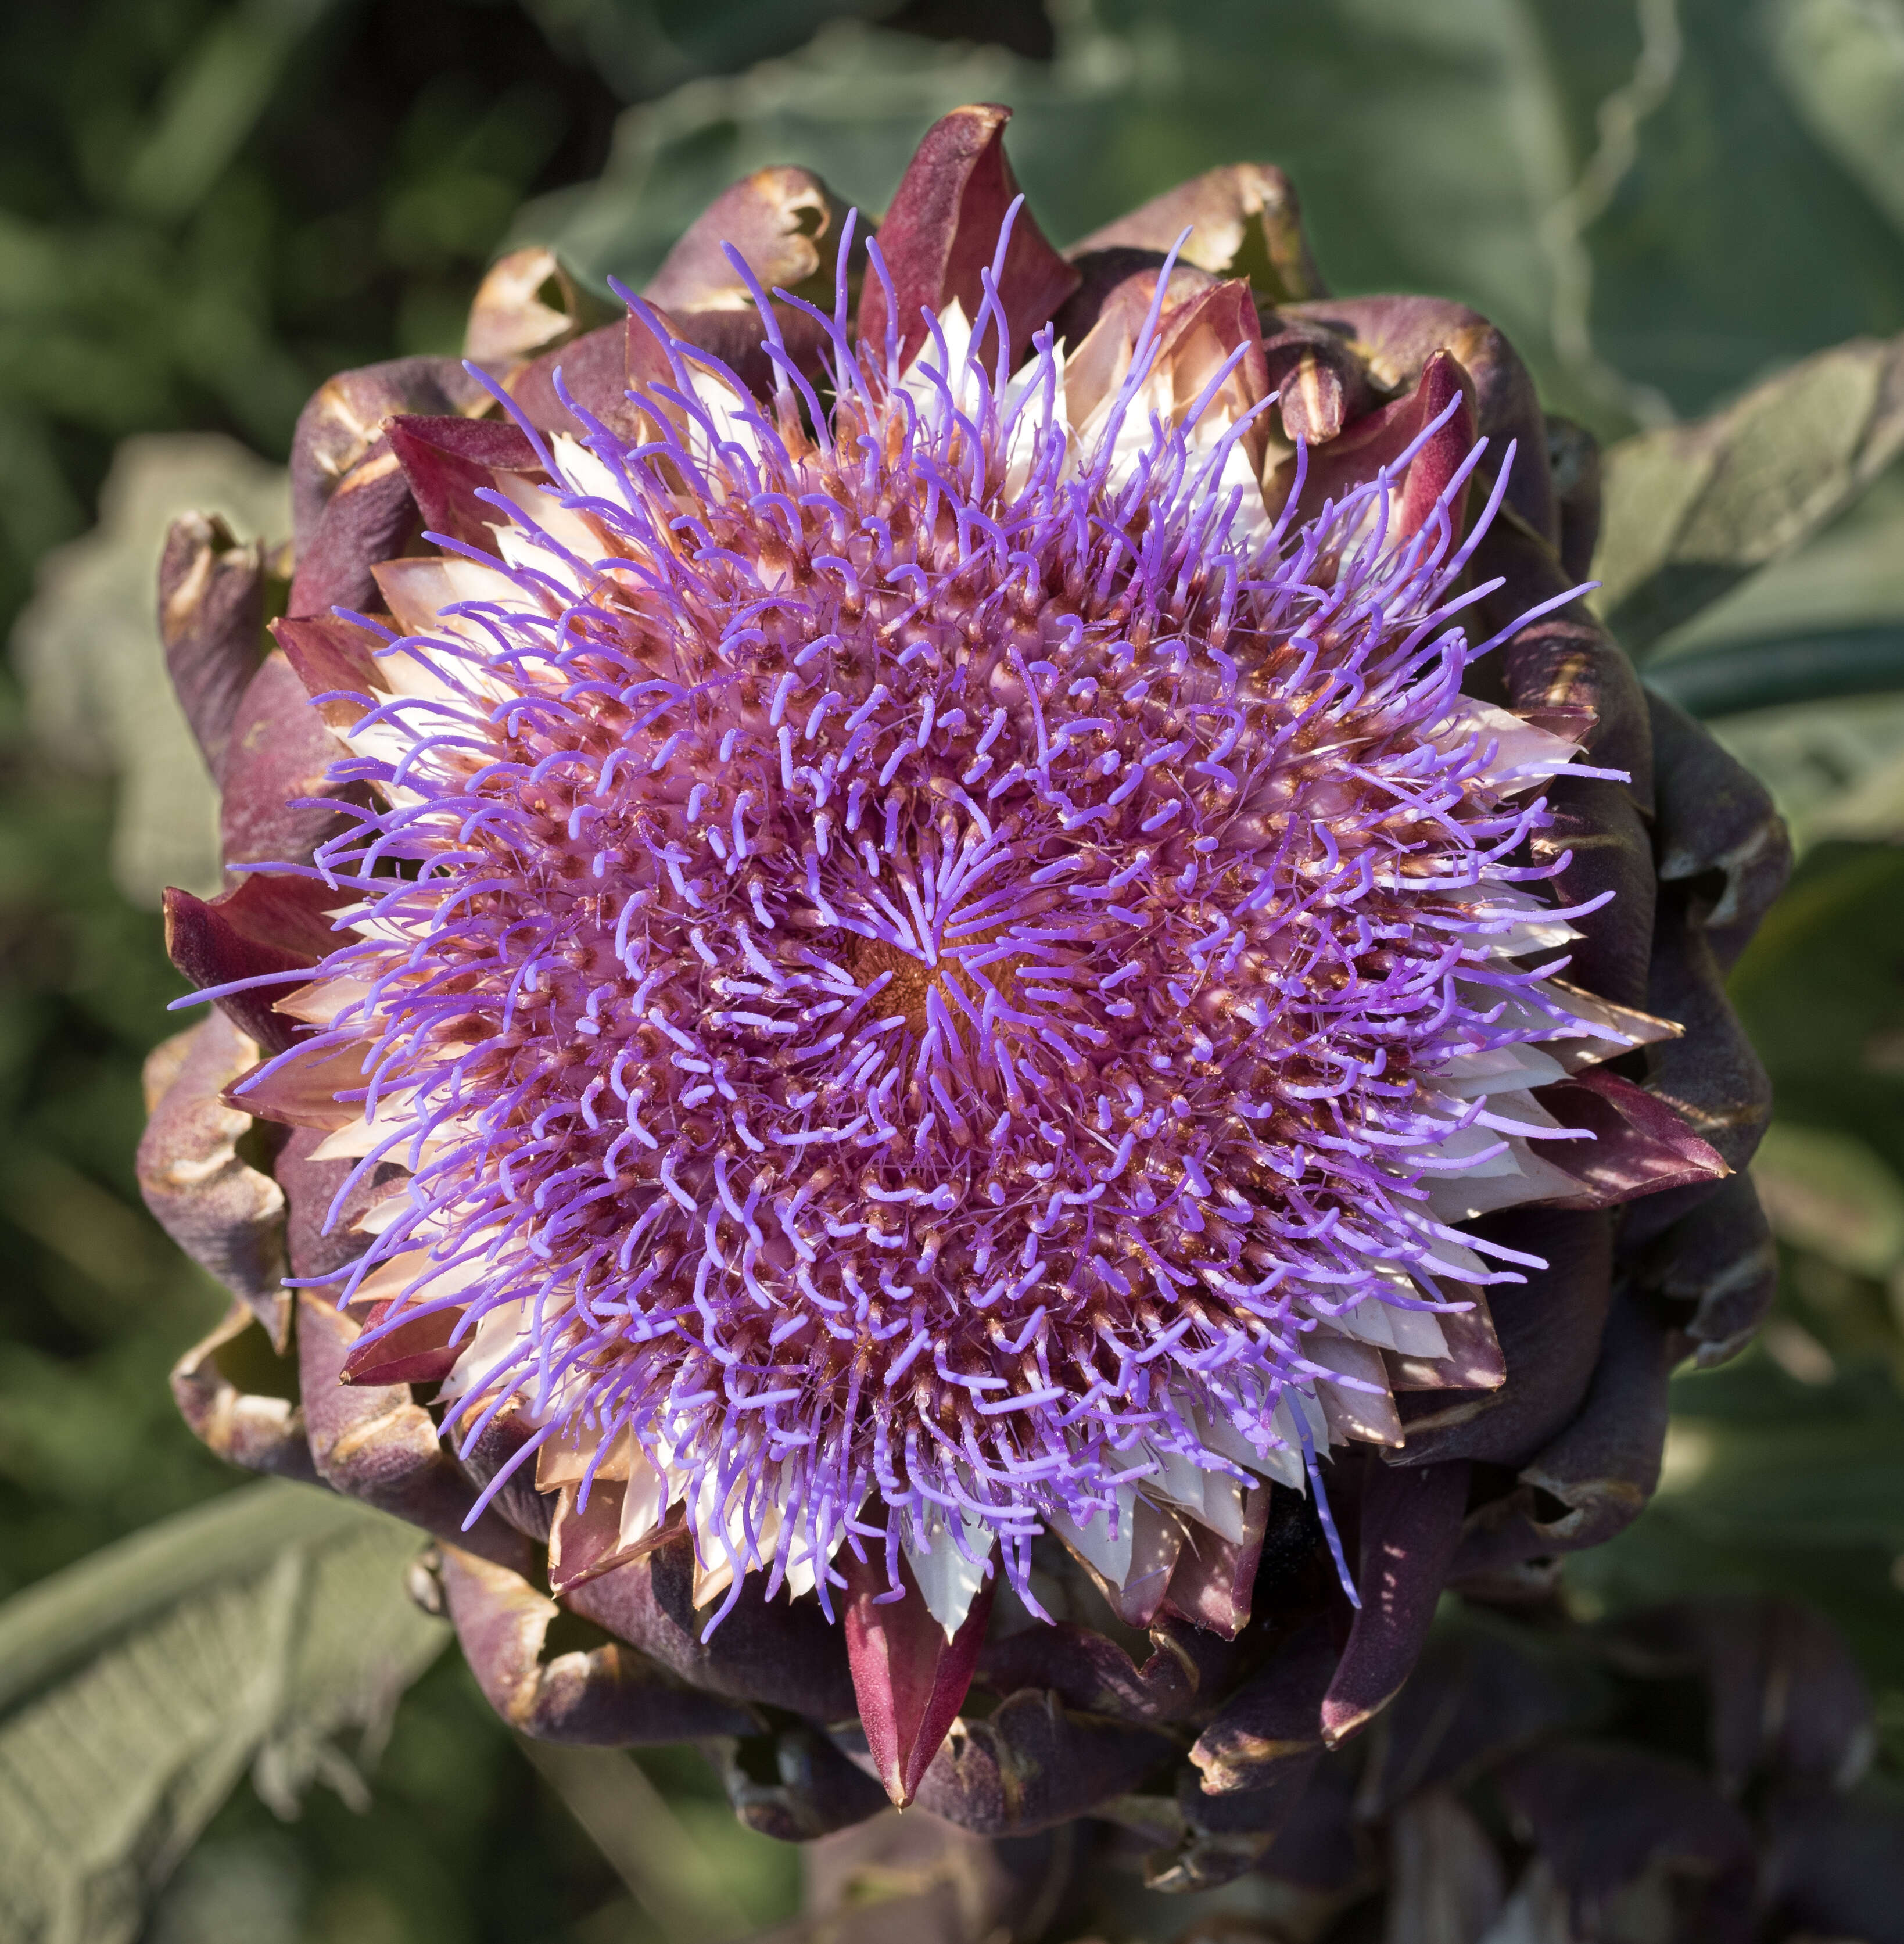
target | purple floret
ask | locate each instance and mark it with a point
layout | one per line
(917, 964)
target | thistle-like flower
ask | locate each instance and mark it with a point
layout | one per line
(931, 934)
(937, 975)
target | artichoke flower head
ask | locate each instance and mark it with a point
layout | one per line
(939, 949)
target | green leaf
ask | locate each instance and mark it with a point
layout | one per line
(1842, 63)
(1735, 244)
(1825, 1190)
(1835, 768)
(135, 1688)
(1799, 667)
(1850, 577)
(1691, 511)
(1734, 677)
(89, 649)
(1421, 133)
(1818, 992)
(1775, 1485)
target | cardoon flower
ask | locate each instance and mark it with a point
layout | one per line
(970, 975)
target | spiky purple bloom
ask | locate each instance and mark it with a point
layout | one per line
(937, 972)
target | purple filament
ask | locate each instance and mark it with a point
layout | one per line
(916, 958)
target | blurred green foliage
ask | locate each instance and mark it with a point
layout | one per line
(1785, 1471)
(206, 206)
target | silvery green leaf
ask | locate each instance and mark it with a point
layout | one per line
(1825, 1190)
(88, 651)
(1835, 768)
(1848, 576)
(1799, 670)
(1842, 63)
(1734, 677)
(1691, 511)
(1426, 139)
(137, 1687)
(1818, 1480)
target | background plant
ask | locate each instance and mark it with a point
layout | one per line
(207, 207)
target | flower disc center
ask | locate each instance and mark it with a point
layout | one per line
(913, 980)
